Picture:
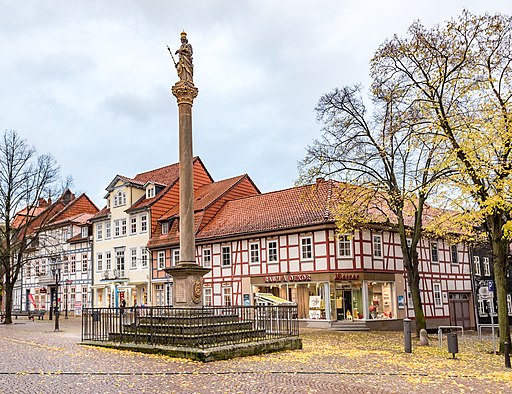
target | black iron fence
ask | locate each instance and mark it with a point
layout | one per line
(195, 327)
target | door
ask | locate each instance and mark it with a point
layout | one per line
(459, 309)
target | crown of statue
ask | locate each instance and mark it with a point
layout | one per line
(183, 34)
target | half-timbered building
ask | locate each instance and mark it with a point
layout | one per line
(285, 243)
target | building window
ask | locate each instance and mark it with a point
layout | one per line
(161, 260)
(207, 258)
(108, 260)
(85, 232)
(344, 246)
(433, 252)
(120, 263)
(255, 253)
(84, 262)
(73, 297)
(272, 251)
(144, 223)
(306, 248)
(84, 297)
(455, 254)
(226, 296)
(481, 308)
(65, 265)
(144, 257)
(123, 227)
(377, 246)
(99, 232)
(207, 296)
(159, 294)
(73, 264)
(165, 227)
(119, 198)
(175, 256)
(438, 303)
(487, 266)
(117, 228)
(226, 255)
(99, 262)
(476, 264)
(108, 232)
(133, 225)
(150, 192)
(133, 258)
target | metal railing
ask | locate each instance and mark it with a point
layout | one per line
(440, 333)
(194, 327)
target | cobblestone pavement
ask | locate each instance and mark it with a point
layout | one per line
(35, 359)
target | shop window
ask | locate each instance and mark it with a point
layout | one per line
(434, 252)
(476, 265)
(438, 303)
(381, 302)
(377, 246)
(306, 245)
(487, 266)
(272, 251)
(344, 246)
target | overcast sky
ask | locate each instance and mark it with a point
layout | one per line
(89, 81)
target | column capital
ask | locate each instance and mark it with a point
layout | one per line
(185, 92)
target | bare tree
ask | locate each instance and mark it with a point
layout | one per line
(390, 172)
(459, 75)
(27, 182)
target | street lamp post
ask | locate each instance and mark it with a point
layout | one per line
(68, 282)
(56, 273)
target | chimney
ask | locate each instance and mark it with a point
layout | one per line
(41, 202)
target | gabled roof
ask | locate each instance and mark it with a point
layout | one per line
(168, 176)
(207, 195)
(205, 199)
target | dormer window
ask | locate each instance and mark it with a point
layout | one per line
(150, 192)
(165, 227)
(119, 198)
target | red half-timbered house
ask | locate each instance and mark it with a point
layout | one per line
(285, 243)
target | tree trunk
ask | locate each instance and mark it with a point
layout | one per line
(413, 280)
(9, 288)
(499, 254)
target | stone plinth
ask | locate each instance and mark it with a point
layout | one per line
(188, 284)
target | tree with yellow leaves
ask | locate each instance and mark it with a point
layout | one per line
(389, 167)
(458, 77)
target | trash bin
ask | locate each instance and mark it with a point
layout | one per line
(95, 315)
(453, 344)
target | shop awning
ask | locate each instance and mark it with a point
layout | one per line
(270, 299)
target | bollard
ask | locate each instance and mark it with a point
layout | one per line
(507, 354)
(56, 313)
(407, 336)
(453, 344)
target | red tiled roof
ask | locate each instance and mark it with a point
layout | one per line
(296, 207)
(206, 195)
(101, 214)
(79, 219)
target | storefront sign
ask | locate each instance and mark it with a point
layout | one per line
(340, 276)
(288, 278)
(43, 290)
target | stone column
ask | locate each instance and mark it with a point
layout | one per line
(187, 275)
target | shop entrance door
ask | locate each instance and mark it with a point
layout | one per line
(343, 303)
